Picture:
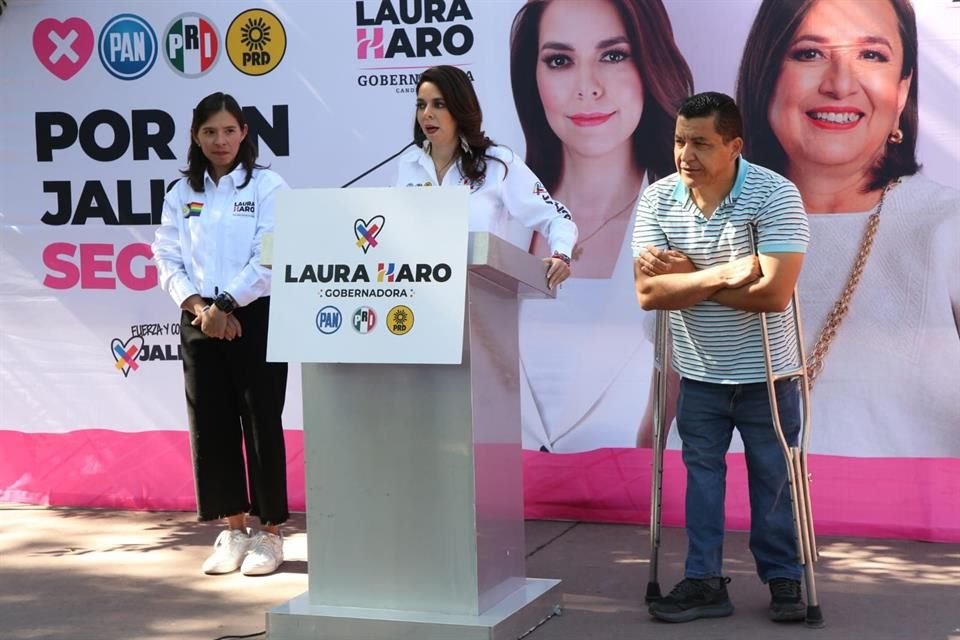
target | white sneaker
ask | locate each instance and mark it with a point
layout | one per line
(265, 554)
(228, 552)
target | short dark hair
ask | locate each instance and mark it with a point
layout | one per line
(464, 106)
(726, 114)
(773, 30)
(664, 73)
(197, 163)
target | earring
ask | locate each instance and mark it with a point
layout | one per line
(896, 137)
(464, 146)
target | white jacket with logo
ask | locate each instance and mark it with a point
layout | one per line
(507, 189)
(210, 242)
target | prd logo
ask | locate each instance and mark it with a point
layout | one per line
(329, 320)
(191, 45)
(364, 320)
(128, 47)
(400, 320)
(367, 231)
(256, 42)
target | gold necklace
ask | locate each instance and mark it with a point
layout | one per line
(832, 324)
(578, 248)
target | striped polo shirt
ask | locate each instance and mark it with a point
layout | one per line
(713, 342)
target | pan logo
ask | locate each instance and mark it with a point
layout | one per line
(191, 45)
(329, 320)
(364, 320)
(127, 47)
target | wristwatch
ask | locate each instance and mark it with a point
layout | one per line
(561, 256)
(225, 302)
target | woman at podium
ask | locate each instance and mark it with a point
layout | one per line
(453, 150)
(207, 251)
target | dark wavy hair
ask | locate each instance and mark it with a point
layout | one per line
(773, 30)
(462, 103)
(197, 163)
(664, 73)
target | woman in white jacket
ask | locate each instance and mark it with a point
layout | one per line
(453, 150)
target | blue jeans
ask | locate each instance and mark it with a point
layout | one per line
(706, 416)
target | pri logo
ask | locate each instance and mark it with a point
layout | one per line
(329, 320)
(256, 42)
(63, 47)
(128, 47)
(364, 320)
(371, 47)
(191, 45)
(367, 231)
(400, 320)
(125, 354)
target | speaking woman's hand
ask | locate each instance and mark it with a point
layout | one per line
(557, 271)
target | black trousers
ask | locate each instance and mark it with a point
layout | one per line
(234, 402)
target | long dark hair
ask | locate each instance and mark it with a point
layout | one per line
(462, 103)
(773, 30)
(664, 73)
(197, 163)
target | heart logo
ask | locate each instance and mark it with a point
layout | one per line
(125, 354)
(63, 47)
(367, 231)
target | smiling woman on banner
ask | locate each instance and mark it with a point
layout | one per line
(831, 103)
(454, 150)
(596, 85)
(207, 251)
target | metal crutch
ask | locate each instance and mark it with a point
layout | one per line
(795, 457)
(660, 371)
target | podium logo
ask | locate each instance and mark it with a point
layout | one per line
(191, 45)
(400, 320)
(128, 46)
(364, 320)
(367, 231)
(329, 320)
(125, 354)
(256, 42)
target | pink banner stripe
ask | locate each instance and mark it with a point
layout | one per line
(916, 498)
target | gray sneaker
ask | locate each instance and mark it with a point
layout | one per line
(786, 605)
(694, 598)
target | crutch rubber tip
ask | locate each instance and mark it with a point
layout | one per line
(814, 618)
(653, 592)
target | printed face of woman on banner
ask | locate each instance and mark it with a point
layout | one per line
(591, 89)
(840, 92)
(597, 117)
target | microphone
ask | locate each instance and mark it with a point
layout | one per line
(378, 165)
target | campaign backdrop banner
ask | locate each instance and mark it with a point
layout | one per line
(94, 127)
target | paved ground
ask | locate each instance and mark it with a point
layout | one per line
(112, 575)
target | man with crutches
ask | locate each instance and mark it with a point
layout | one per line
(694, 258)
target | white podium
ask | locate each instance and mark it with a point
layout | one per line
(414, 484)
